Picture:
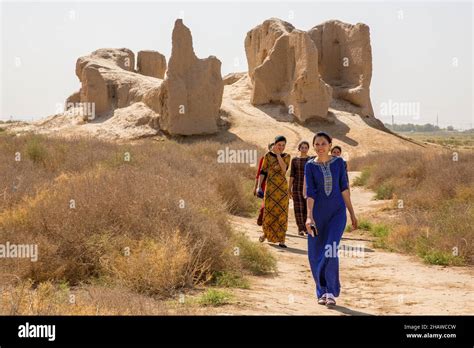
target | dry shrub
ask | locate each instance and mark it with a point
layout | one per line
(155, 267)
(87, 200)
(109, 204)
(437, 194)
(29, 162)
(48, 298)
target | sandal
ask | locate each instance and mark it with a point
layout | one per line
(261, 239)
(322, 300)
(281, 245)
(330, 302)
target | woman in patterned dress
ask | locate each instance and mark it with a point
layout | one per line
(328, 197)
(260, 163)
(296, 186)
(276, 199)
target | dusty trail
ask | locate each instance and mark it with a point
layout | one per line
(373, 281)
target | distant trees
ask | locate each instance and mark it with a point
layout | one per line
(410, 127)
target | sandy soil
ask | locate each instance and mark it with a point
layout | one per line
(260, 125)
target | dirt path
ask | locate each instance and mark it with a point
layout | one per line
(373, 281)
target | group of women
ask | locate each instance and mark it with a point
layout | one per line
(319, 188)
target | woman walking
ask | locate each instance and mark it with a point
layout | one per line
(328, 197)
(275, 215)
(296, 186)
(336, 151)
(255, 193)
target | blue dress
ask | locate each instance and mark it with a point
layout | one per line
(324, 183)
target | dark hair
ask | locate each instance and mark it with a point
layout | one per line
(322, 134)
(304, 142)
(336, 147)
(270, 145)
(279, 138)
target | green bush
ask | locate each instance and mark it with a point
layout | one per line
(362, 179)
(384, 191)
(230, 279)
(365, 225)
(437, 257)
(215, 298)
(36, 151)
(254, 256)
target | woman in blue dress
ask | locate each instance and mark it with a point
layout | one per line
(327, 198)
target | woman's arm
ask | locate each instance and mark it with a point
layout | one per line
(282, 163)
(347, 199)
(310, 190)
(257, 177)
(292, 178)
(304, 188)
(263, 170)
(309, 215)
(260, 180)
(346, 194)
(347, 177)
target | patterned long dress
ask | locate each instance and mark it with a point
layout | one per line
(276, 199)
(263, 185)
(325, 184)
(299, 202)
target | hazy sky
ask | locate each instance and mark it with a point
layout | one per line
(422, 52)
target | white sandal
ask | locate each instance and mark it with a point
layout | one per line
(322, 300)
(330, 302)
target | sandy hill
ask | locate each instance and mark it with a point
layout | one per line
(260, 124)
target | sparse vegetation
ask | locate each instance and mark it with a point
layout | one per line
(448, 139)
(35, 150)
(384, 191)
(214, 298)
(436, 257)
(435, 194)
(410, 127)
(231, 280)
(380, 231)
(362, 179)
(365, 225)
(254, 256)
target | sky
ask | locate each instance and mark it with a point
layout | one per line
(422, 52)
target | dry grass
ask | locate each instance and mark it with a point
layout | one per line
(50, 298)
(151, 217)
(436, 195)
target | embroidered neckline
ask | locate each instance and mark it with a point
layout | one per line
(327, 175)
(333, 158)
